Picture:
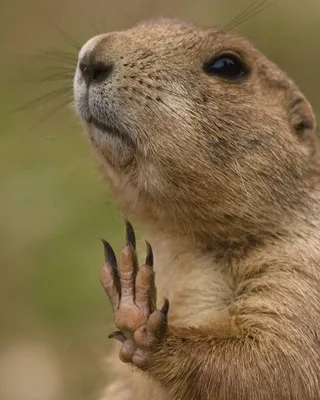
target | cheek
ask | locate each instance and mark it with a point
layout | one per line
(157, 110)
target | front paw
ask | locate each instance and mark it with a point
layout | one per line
(132, 292)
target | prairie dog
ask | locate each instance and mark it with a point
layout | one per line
(213, 149)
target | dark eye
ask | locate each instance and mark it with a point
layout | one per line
(228, 66)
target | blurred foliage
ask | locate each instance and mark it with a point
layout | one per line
(53, 202)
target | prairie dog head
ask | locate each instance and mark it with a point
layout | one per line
(195, 127)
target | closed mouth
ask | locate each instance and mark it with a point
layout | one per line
(105, 127)
(111, 130)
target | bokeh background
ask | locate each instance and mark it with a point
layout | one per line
(54, 315)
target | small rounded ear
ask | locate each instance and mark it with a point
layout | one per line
(301, 115)
(303, 121)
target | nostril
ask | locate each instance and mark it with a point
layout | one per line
(96, 71)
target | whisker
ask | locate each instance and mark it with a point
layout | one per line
(253, 14)
(255, 8)
(50, 113)
(73, 42)
(46, 97)
(48, 78)
(94, 27)
(242, 13)
(56, 55)
(60, 70)
(69, 39)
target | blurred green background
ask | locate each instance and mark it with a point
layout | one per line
(53, 313)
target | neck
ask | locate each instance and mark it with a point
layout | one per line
(229, 240)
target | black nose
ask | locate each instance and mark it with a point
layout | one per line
(95, 71)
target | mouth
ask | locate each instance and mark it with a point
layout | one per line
(111, 130)
(104, 127)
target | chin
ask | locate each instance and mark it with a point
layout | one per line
(110, 148)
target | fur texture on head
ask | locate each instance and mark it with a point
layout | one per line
(226, 174)
(226, 159)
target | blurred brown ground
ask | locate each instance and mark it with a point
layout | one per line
(53, 313)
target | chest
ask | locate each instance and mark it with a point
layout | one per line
(195, 285)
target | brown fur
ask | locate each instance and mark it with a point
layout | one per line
(226, 179)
